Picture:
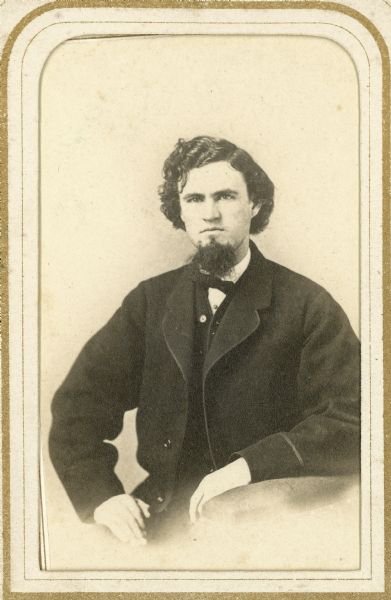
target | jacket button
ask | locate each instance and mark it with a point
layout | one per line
(167, 444)
(203, 319)
(160, 499)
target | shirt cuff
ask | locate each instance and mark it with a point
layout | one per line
(88, 492)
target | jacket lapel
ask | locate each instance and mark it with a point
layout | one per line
(178, 323)
(241, 318)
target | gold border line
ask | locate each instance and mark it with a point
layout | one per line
(193, 4)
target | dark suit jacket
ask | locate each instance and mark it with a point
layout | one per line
(280, 381)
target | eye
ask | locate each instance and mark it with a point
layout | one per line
(195, 198)
(226, 196)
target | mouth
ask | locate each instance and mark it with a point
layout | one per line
(211, 229)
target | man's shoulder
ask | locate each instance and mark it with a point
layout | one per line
(164, 281)
(151, 292)
(157, 287)
(291, 283)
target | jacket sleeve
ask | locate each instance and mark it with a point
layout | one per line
(89, 406)
(327, 440)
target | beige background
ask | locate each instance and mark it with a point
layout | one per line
(111, 111)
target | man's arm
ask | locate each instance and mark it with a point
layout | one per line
(327, 440)
(89, 406)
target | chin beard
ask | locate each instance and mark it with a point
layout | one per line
(215, 258)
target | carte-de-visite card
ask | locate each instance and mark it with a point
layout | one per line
(195, 296)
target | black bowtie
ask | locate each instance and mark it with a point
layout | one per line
(210, 281)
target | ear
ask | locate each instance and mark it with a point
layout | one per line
(255, 208)
(180, 219)
(179, 206)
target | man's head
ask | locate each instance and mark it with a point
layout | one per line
(217, 193)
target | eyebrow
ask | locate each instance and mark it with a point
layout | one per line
(192, 195)
(215, 194)
(226, 191)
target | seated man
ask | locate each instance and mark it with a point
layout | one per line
(241, 370)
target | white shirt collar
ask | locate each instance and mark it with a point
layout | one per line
(238, 270)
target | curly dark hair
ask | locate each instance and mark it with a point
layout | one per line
(201, 150)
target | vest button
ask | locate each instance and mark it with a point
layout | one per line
(167, 444)
(203, 319)
(160, 499)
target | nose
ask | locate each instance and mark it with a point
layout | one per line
(211, 210)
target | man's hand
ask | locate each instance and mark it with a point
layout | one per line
(232, 475)
(124, 516)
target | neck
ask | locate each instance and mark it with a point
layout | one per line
(241, 251)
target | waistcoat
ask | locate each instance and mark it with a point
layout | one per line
(195, 459)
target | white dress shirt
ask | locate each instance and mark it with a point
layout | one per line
(217, 296)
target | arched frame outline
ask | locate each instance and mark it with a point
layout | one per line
(10, 44)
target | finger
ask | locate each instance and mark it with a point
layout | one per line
(200, 506)
(127, 530)
(134, 536)
(194, 502)
(120, 530)
(136, 529)
(138, 535)
(207, 495)
(144, 507)
(133, 508)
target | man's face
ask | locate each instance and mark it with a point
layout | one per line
(215, 207)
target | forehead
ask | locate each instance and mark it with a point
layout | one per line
(213, 177)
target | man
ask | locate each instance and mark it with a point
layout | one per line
(241, 370)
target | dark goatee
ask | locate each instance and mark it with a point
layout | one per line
(214, 258)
